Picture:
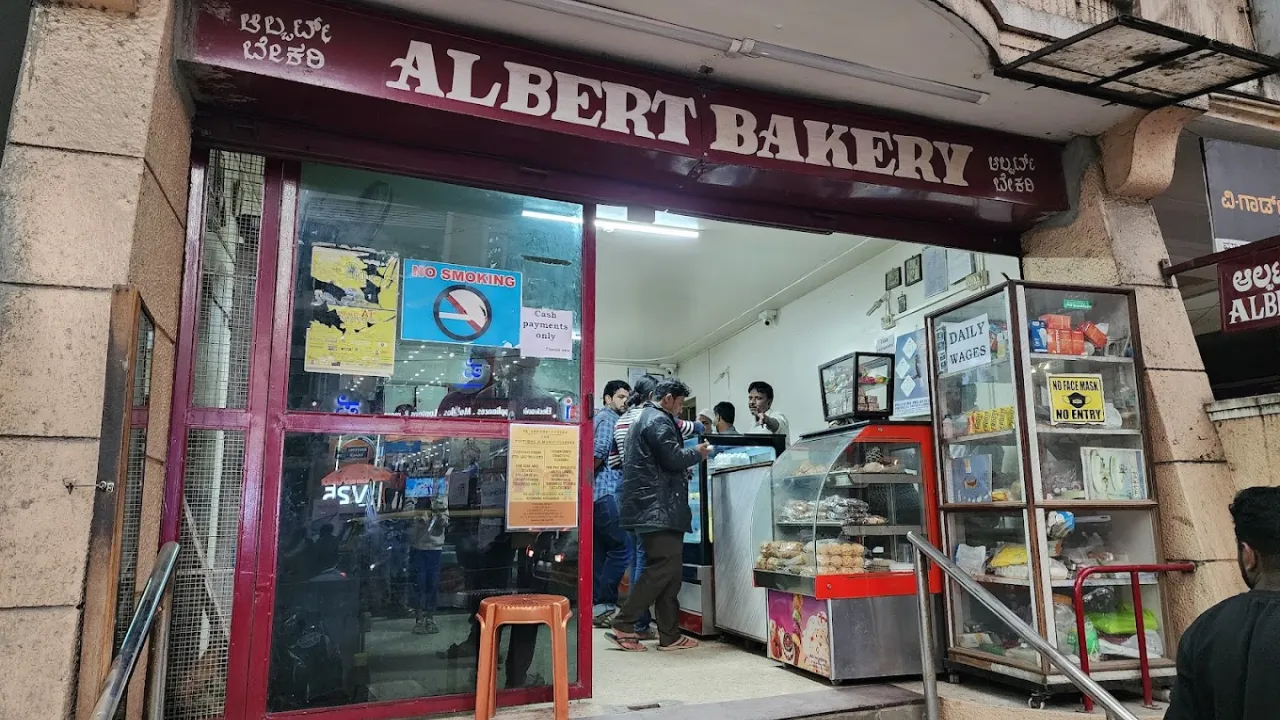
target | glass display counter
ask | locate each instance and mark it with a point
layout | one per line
(834, 557)
(1037, 397)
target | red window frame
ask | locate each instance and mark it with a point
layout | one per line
(267, 419)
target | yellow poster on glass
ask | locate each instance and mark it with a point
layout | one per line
(356, 292)
(542, 477)
(1076, 399)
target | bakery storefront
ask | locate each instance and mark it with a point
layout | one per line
(390, 314)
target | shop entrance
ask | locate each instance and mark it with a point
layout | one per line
(364, 355)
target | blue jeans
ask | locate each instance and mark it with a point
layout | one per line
(612, 550)
(425, 567)
(635, 558)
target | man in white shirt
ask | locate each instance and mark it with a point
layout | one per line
(760, 402)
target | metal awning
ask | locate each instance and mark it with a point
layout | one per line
(1138, 62)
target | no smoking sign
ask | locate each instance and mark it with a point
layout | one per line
(460, 304)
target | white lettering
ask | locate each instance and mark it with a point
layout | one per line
(673, 125)
(781, 134)
(570, 100)
(418, 63)
(526, 85)
(822, 145)
(954, 159)
(1269, 305)
(914, 158)
(870, 148)
(735, 130)
(463, 65)
(625, 104)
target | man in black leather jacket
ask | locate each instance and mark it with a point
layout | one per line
(654, 502)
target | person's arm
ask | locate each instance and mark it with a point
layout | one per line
(769, 422)
(668, 448)
(603, 442)
(689, 429)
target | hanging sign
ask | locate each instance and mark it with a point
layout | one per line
(964, 345)
(542, 472)
(1076, 400)
(1249, 291)
(1243, 182)
(461, 305)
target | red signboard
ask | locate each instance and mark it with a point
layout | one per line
(721, 131)
(1249, 290)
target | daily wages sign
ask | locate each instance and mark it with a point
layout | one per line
(964, 345)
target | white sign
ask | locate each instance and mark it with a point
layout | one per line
(935, 271)
(1223, 244)
(546, 333)
(359, 495)
(968, 344)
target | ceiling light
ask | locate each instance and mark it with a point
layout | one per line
(612, 225)
(749, 47)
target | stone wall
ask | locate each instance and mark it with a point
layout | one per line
(93, 194)
(1250, 432)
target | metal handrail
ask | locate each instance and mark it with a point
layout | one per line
(924, 549)
(126, 660)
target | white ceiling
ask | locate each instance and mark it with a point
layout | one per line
(663, 299)
(914, 37)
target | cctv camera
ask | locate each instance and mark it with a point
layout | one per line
(769, 318)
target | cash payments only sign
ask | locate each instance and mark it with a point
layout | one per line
(1076, 400)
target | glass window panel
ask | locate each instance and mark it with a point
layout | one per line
(387, 545)
(356, 291)
(992, 548)
(979, 410)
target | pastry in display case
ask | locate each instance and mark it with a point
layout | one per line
(1043, 465)
(836, 553)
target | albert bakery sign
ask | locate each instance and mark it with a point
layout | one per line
(710, 134)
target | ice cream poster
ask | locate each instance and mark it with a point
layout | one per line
(800, 632)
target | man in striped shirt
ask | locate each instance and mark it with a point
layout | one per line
(640, 394)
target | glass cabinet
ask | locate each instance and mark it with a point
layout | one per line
(835, 557)
(1043, 467)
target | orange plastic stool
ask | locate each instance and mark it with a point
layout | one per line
(550, 610)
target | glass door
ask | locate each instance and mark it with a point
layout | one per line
(417, 323)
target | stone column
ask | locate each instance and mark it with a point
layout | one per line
(93, 194)
(1111, 238)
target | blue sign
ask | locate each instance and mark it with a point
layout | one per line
(443, 303)
(910, 377)
(421, 487)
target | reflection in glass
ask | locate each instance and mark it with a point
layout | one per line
(360, 230)
(992, 548)
(387, 544)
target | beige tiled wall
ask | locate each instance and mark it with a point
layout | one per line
(93, 193)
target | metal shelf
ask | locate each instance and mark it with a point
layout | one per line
(1082, 358)
(1051, 430)
(976, 437)
(1095, 581)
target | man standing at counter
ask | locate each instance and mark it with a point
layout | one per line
(654, 501)
(760, 402)
(611, 540)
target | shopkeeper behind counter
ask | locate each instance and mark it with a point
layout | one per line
(767, 420)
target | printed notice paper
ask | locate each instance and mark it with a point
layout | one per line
(546, 333)
(965, 345)
(1076, 400)
(542, 477)
(353, 312)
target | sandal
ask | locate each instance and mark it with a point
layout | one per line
(626, 643)
(684, 643)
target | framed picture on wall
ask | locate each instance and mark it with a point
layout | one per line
(914, 270)
(902, 303)
(893, 278)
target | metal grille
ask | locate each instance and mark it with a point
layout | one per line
(142, 362)
(195, 686)
(130, 531)
(228, 279)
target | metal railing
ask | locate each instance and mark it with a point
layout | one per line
(117, 682)
(928, 655)
(1144, 662)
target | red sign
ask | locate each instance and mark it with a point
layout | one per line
(1249, 290)
(723, 129)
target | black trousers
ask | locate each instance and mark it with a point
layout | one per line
(659, 586)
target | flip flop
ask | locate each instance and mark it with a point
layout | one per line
(684, 643)
(626, 643)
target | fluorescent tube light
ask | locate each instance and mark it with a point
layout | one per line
(752, 48)
(612, 225)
